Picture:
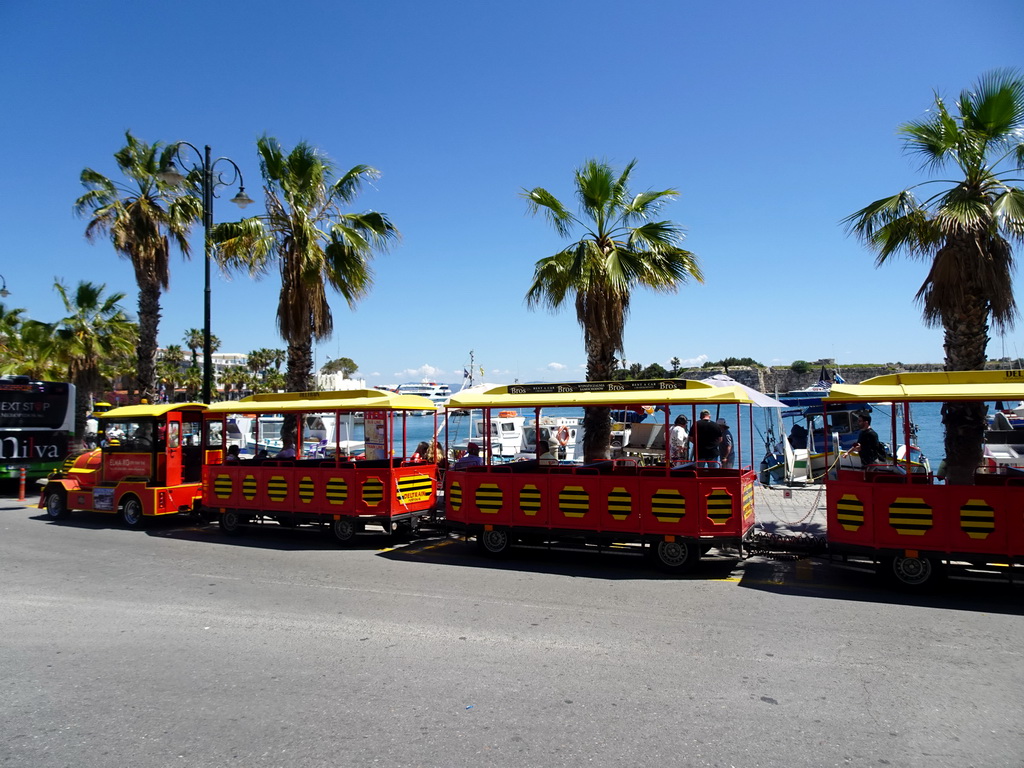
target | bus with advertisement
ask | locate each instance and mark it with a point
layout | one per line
(37, 422)
(150, 465)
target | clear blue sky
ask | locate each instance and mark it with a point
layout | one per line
(773, 120)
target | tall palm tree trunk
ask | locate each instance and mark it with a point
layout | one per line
(149, 321)
(965, 343)
(597, 425)
(298, 374)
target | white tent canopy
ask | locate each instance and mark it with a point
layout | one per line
(760, 399)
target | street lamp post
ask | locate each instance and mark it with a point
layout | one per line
(210, 180)
(4, 293)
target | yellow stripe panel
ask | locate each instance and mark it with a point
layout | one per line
(336, 491)
(307, 489)
(719, 506)
(277, 488)
(668, 506)
(529, 500)
(489, 498)
(910, 516)
(573, 501)
(620, 503)
(977, 519)
(373, 491)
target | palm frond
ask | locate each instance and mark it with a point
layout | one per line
(539, 199)
(1008, 209)
(646, 204)
(350, 184)
(597, 190)
(995, 107)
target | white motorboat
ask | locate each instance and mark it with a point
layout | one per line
(434, 391)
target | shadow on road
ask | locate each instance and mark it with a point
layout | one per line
(610, 563)
(820, 579)
(807, 578)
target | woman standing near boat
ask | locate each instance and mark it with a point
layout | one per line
(678, 438)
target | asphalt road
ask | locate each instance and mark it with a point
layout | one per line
(176, 646)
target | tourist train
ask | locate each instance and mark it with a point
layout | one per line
(896, 515)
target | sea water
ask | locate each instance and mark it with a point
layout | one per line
(750, 443)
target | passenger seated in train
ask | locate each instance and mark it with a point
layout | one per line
(547, 458)
(471, 458)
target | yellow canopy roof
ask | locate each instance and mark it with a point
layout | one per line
(316, 402)
(148, 410)
(933, 387)
(610, 393)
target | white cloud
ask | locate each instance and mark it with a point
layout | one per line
(423, 372)
(556, 367)
(694, 362)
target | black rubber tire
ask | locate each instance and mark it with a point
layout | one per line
(679, 556)
(495, 543)
(344, 530)
(230, 522)
(912, 573)
(57, 505)
(131, 513)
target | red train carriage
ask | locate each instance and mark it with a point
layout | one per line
(150, 464)
(678, 510)
(910, 523)
(320, 483)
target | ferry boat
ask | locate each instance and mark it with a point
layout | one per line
(437, 393)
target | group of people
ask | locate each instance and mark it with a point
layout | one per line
(472, 457)
(712, 442)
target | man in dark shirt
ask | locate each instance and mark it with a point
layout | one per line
(706, 435)
(867, 442)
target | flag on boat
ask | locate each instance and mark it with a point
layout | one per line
(823, 382)
(837, 378)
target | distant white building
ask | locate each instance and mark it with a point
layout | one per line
(335, 382)
(224, 360)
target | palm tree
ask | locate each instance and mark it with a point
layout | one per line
(11, 322)
(193, 382)
(142, 218)
(28, 347)
(312, 242)
(193, 341)
(621, 248)
(236, 376)
(169, 368)
(95, 329)
(257, 361)
(965, 231)
(275, 357)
